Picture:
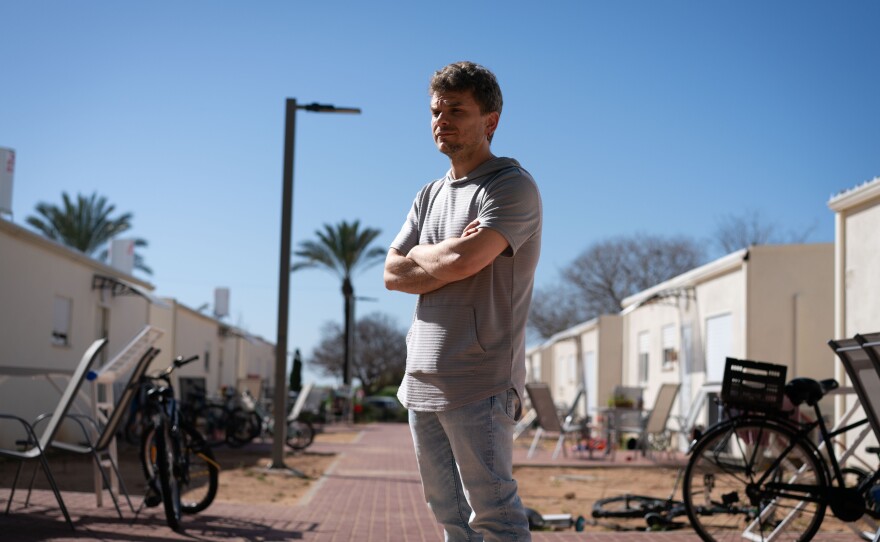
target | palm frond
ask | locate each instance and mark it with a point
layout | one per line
(85, 224)
(342, 248)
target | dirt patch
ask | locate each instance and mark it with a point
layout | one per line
(564, 490)
(569, 490)
(243, 473)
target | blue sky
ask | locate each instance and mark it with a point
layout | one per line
(633, 116)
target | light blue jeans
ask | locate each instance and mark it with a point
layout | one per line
(465, 458)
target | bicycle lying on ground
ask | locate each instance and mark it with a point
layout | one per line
(760, 474)
(658, 513)
(179, 467)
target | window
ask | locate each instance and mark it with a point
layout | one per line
(61, 312)
(643, 356)
(670, 352)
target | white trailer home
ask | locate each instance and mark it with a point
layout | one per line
(770, 303)
(584, 357)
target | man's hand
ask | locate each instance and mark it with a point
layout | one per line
(471, 228)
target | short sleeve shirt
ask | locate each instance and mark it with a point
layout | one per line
(467, 339)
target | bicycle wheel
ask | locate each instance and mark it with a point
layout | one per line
(201, 477)
(724, 500)
(166, 459)
(630, 506)
(243, 427)
(213, 423)
(866, 526)
(300, 434)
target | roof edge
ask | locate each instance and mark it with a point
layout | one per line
(857, 195)
(692, 277)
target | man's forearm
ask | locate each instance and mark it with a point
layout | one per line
(462, 257)
(405, 275)
(438, 260)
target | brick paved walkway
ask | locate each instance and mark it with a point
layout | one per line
(371, 493)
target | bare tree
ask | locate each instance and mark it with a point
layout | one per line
(554, 308)
(752, 228)
(599, 279)
(380, 359)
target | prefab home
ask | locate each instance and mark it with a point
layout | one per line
(770, 303)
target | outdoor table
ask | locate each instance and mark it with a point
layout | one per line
(613, 417)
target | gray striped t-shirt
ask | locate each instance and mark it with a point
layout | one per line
(467, 340)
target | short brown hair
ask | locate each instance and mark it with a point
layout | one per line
(462, 76)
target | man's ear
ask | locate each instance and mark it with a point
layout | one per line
(491, 120)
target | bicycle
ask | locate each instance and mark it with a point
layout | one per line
(222, 421)
(760, 473)
(179, 467)
(300, 432)
(659, 513)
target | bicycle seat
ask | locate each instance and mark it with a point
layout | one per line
(806, 390)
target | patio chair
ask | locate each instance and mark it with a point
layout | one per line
(860, 357)
(548, 418)
(652, 428)
(656, 435)
(38, 445)
(104, 436)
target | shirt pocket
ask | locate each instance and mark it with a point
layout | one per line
(443, 341)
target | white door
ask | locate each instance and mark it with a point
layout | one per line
(686, 369)
(719, 343)
(592, 378)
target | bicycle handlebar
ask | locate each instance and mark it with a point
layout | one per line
(180, 362)
(176, 364)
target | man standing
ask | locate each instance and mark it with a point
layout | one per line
(468, 248)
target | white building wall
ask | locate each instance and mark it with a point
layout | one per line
(33, 273)
(856, 274)
(862, 270)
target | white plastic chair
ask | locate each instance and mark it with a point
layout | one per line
(37, 446)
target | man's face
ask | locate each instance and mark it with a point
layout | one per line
(457, 124)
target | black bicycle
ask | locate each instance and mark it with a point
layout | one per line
(222, 420)
(761, 470)
(178, 464)
(299, 435)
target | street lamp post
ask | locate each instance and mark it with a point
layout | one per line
(280, 399)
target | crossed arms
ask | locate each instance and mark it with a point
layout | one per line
(428, 267)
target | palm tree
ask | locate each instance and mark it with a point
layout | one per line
(85, 225)
(341, 249)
